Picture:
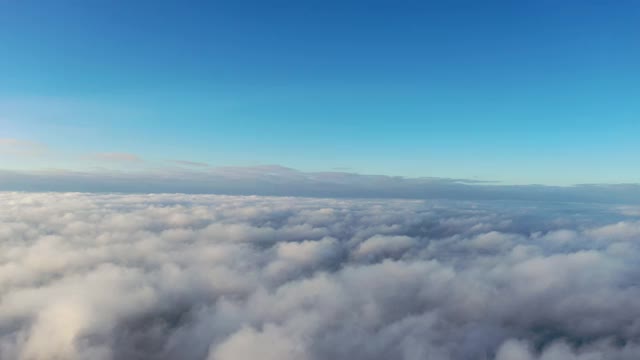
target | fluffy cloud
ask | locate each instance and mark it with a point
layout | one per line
(381, 245)
(90, 276)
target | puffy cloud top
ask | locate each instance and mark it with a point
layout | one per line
(89, 276)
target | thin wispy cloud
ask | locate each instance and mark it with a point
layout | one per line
(18, 147)
(118, 157)
(189, 163)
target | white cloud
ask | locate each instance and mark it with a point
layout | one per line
(208, 277)
(381, 245)
(623, 230)
(268, 344)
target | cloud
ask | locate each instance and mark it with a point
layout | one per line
(268, 344)
(215, 277)
(117, 157)
(381, 245)
(519, 350)
(17, 147)
(282, 181)
(189, 163)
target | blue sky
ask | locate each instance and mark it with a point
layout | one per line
(520, 92)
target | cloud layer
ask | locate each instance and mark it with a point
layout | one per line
(87, 276)
(273, 180)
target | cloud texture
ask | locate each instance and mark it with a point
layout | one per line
(86, 276)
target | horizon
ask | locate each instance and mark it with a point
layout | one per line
(275, 180)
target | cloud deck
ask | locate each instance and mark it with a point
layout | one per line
(88, 276)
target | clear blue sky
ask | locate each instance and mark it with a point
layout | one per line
(516, 91)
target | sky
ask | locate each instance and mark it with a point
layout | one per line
(516, 92)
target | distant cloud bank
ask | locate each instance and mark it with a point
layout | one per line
(209, 277)
(192, 177)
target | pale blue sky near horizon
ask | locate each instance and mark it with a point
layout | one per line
(519, 92)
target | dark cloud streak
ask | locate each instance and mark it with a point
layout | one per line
(281, 181)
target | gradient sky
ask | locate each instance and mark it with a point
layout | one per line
(515, 91)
